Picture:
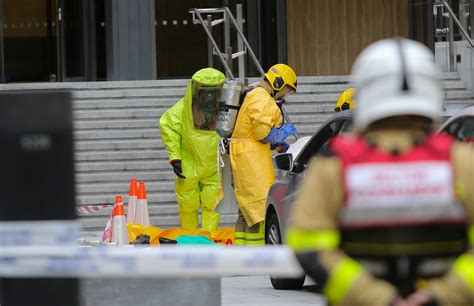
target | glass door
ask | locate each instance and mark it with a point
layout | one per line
(71, 40)
(29, 45)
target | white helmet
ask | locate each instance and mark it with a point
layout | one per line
(396, 77)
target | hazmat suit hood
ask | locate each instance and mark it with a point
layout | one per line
(205, 85)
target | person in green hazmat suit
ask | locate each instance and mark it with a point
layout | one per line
(188, 132)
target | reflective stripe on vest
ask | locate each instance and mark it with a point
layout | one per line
(341, 280)
(239, 235)
(301, 240)
(464, 268)
(255, 242)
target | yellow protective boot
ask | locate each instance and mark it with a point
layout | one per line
(189, 220)
(255, 234)
(240, 227)
(239, 238)
(210, 220)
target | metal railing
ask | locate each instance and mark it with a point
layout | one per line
(243, 45)
(447, 11)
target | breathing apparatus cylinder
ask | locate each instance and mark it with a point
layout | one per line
(229, 105)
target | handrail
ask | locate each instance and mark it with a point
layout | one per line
(249, 49)
(197, 12)
(209, 35)
(227, 13)
(458, 23)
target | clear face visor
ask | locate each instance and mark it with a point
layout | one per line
(205, 101)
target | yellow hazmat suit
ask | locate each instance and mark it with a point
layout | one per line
(251, 160)
(197, 150)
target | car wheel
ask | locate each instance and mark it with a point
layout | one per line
(273, 237)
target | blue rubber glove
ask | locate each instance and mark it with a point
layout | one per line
(279, 135)
(280, 147)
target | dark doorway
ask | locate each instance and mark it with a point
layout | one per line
(421, 22)
(181, 46)
(100, 40)
(269, 34)
(29, 41)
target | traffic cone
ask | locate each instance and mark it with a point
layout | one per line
(142, 216)
(132, 202)
(119, 226)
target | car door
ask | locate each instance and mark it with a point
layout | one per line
(462, 129)
(465, 132)
(453, 127)
(317, 145)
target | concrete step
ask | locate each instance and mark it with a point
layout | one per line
(454, 85)
(115, 124)
(118, 144)
(456, 105)
(458, 95)
(451, 84)
(121, 113)
(122, 187)
(152, 133)
(99, 167)
(153, 197)
(78, 86)
(306, 94)
(124, 176)
(150, 102)
(154, 210)
(166, 92)
(87, 129)
(104, 155)
(449, 76)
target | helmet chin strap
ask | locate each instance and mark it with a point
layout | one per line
(276, 94)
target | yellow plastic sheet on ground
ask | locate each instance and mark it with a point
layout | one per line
(135, 229)
(224, 236)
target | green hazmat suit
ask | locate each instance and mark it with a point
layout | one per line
(197, 150)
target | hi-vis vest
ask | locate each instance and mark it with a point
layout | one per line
(400, 204)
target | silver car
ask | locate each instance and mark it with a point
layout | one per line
(461, 125)
(282, 192)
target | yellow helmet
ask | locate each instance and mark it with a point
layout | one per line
(345, 100)
(280, 75)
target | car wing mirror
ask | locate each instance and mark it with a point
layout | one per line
(283, 161)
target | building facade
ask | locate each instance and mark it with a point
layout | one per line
(99, 40)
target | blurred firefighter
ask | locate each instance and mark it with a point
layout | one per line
(374, 223)
(346, 100)
(188, 132)
(258, 130)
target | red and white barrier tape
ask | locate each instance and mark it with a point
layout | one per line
(90, 209)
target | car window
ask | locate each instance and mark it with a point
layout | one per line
(453, 127)
(319, 143)
(333, 129)
(347, 127)
(466, 130)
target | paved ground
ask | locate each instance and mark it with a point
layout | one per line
(257, 290)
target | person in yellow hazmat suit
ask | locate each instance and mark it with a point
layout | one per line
(388, 217)
(346, 100)
(188, 132)
(258, 130)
